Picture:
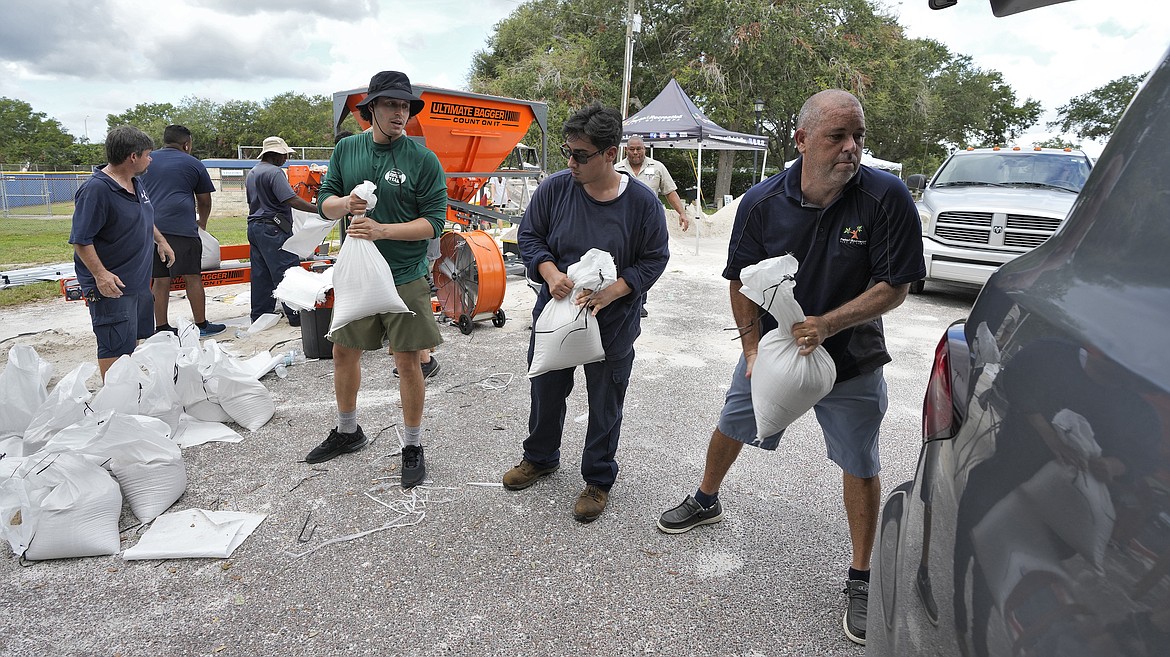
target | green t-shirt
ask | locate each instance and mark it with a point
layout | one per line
(410, 184)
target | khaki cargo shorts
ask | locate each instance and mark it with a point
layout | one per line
(402, 331)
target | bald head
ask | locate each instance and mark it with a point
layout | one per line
(819, 104)
(636, 151)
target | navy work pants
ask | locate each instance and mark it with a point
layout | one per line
(269, 263)
(605, 384)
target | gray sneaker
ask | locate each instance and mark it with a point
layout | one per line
(688, 515)
(857, 593)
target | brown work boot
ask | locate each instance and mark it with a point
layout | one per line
(526, 473)
(590, 503)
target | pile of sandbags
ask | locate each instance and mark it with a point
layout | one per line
(69, 458)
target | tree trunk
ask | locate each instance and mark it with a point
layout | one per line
(723, 176)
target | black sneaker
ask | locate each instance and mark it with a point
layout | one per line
(414, 466)
(166, 327)
(429, 369)
(857, 593)
(688, 515)
(337, 444)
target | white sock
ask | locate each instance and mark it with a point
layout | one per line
(413, 436)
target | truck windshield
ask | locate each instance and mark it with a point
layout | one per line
(1063, 171)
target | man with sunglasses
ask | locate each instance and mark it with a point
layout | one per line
(589, 205)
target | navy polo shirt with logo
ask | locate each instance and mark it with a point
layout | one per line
(119, 225)
(870, 233)
(172, 182)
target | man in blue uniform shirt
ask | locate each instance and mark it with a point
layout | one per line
(589, 205)
(175, 177)
(856, 234)
(114, 239)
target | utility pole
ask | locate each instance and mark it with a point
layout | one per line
(627, 68)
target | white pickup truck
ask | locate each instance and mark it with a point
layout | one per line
(986, 206)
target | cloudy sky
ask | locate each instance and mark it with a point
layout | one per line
(79, 60)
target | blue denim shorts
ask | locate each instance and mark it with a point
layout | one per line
(850, 417)
(120, 323)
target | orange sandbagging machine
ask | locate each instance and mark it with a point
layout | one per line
(473, 135)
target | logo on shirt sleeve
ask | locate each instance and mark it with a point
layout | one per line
(853, 236)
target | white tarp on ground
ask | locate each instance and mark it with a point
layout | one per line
(193, 534)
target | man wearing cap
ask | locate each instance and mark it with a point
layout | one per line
(411, 209)
(654, 175)
(270, 203)
(174, 177)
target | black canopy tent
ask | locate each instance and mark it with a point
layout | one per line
(672, 120)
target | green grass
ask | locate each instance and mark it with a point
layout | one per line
(33, 242)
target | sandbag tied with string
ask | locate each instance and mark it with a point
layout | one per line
(566, 334)
(363, 284)
(785, 385)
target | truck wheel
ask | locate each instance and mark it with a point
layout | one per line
(916, 286)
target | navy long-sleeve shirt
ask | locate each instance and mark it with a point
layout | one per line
(562, 222)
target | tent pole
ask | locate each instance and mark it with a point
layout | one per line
(763, 166)
(699, 195)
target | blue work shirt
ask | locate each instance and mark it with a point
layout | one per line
(172, 181)
(870, 233)
(119, 225)
(562, 222)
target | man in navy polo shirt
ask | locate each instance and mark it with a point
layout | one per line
(114, 240)
(175, 177)
(857, 236)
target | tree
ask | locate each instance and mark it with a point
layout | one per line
(1058, 142)
(1094, 115)
(31, 138)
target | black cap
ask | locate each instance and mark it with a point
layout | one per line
(392, 84)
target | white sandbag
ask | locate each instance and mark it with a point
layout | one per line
(194, 534)
(23, 388)
(207, 411)
(363, 284)
(301, 289)
(210, 256)
(309, 235)
(120, 390)
(247, 401)
(189, 386)
(64, 406)
(138, 452)
(1069, 499)
(158, 356)
(785, 385)
(300, 218)
(58, 506)
(193, 431)
(565, 334)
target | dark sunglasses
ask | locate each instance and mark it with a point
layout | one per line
(580, 158)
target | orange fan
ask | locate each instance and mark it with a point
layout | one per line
(470, 278)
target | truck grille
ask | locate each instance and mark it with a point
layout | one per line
(1016, 232)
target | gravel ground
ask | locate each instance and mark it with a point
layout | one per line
(486, 571)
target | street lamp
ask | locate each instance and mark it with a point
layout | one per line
(758, 106)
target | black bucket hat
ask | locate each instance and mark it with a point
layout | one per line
(392, 84)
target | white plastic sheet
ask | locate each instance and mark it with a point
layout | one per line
(785, 385)
(194, 534)
(301, 289)
(565, 334)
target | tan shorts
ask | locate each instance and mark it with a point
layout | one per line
(403, 331)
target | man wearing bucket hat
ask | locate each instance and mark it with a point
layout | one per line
(270, 202)
(411, 209)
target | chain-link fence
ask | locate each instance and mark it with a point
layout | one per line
(39, 194)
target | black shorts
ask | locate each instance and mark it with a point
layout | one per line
(188, 257)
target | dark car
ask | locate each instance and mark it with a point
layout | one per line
(1038, 522)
